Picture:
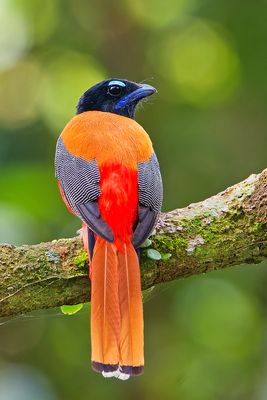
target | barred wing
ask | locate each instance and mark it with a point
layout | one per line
(80, 183)
(150, 192)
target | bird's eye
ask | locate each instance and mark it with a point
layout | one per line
(114, 90)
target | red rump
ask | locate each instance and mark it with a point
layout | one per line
(119, 200)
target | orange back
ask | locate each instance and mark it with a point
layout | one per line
(107, 138)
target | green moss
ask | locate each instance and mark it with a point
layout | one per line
(205, 252)
(200, 251)
(167, 243)
(208, 235)
(81, 260)
(192, 226)
(180, 243)
(256, 227)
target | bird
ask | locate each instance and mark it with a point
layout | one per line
(109, 177)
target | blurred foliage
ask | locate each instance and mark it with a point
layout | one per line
(206, 336)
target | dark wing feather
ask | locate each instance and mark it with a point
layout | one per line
(150, 193)
(80, 183)
(88, 211)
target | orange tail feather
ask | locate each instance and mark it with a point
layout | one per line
(116, 311)
(105, 313)
(131, 342)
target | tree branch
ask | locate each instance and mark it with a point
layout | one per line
(224, 230)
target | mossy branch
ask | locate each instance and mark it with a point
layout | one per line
(224, 230)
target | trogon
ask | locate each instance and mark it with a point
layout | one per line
(109, 177)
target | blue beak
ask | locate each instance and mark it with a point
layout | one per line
(144, 90)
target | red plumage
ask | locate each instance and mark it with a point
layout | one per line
(118, 200)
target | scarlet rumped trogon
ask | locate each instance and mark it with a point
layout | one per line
(109, 176)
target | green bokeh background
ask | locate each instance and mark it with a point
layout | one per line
(206, 337)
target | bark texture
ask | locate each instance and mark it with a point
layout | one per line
(224, 230)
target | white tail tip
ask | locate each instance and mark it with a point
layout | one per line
(116, 374)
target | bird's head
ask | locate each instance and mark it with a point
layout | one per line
(117, 96)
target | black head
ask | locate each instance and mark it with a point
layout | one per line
(117, 96)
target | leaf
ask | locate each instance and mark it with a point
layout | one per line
(166, 256)
(153, 254)
(70, 310)
(146, 243)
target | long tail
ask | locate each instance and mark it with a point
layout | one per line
(116, 311)
(131, 342)
(105, 312)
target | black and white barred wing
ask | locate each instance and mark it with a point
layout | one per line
(150, 193)
(80, 182)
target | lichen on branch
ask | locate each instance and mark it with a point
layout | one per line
(224, 230)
